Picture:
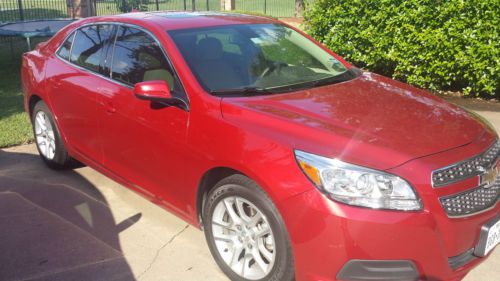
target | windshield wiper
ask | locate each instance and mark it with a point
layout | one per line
(248, 91)
(346, 76)
(253, 91)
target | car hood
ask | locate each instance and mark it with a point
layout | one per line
(371, 120)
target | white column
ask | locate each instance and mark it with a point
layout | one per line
(229, 5)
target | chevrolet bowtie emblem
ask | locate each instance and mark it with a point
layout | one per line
(489, 177)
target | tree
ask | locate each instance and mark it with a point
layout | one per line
(299, 7)
(126, 6)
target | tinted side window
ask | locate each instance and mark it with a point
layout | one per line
(137, 58)
(65, 49)
(89, 45)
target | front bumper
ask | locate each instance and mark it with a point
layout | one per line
(326, 236)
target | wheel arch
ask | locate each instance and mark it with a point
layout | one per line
(33, 100)
(208, 181)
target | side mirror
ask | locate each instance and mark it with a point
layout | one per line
(157, 90)
(158, 93)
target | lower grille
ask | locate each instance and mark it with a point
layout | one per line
(462, 259)
(471, 201)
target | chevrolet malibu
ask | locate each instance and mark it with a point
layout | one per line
(297, 165)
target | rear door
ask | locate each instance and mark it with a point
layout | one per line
(75, 75)
(142, 142)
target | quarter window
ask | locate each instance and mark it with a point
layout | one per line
(65, 49)
(138, 58)
(89, 46)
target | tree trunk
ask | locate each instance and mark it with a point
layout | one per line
(230, 5)
(83, 8)
(299, 8)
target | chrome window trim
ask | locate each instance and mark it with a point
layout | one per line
(118, 24)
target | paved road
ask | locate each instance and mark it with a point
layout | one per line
(79, 225)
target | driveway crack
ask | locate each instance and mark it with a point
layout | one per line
(160, 249)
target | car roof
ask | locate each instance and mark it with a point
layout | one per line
(171, 20)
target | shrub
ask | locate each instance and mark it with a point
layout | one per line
(434, 44)
(126, 6)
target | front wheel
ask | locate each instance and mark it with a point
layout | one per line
(245, 233)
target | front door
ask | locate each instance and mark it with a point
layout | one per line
(142, 142)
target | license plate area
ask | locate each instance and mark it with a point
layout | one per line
(489, 237)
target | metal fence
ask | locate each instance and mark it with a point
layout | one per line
(276, 8)
(111, 7)
(19, 10)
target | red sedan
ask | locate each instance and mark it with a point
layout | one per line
(293, 162)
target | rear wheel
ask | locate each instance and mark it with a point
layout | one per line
(245, 233)
(47, 138)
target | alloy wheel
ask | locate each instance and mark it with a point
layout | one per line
(243, 237)
(44, 134)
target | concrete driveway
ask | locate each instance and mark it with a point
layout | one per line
(80, 225)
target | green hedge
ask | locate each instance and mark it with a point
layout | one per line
(434, 44)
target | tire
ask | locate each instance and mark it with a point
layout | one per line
(244, 192)
(59, 158)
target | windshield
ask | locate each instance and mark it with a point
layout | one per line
(256, 58)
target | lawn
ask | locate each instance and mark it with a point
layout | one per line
(15, 127)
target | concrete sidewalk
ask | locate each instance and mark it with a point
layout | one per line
(79, 225)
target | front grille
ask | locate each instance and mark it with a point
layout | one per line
(468, 168)
(472, 201)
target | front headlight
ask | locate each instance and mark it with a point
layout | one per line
(358, 186)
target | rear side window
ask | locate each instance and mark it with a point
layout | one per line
(138, 58)
(65, 49)
(90, 44)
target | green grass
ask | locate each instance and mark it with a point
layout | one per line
(15, 127)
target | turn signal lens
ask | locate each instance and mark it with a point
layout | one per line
(311, 172)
